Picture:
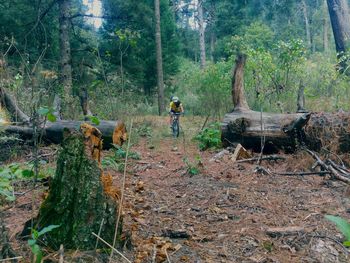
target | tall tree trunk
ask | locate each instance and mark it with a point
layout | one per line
(212, 44)
(238, 96)
(325, 27)
(307, 24)
(201, 33)
(301, 98)
(84, 102)
(340, 20)
(65, 52)
(161, 103)
(56, 105)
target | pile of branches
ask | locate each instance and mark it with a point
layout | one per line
(328, 130)
(339, 172)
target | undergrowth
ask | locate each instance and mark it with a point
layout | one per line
(10, 174)
(210, 137)
(193, 168)
(116, 158)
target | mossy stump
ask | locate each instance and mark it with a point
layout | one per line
(76, 200)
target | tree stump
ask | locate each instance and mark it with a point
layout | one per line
(78, 200)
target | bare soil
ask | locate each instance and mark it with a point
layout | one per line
(219, 215)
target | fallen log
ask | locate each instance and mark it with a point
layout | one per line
(275, 131)
(112, 131)
(279, 130)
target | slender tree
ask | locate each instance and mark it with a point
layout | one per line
(238, 97)
(201, 33)
(160, 78)
(307, 23)
(65, 51)
(325, 27)
(340, 20)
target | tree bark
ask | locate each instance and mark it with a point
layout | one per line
(238, 96)
(65, 52)
(340, 20)
(301, 98)
(160, 74)
(84, 102)
(201, 34)
(57, 107)
(80, 198)
(244, 127)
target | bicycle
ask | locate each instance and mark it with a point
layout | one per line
(175, 125)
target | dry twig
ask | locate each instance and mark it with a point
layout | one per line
(122, 193)
(115, 250)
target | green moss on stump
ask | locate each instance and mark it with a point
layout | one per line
(76, 200)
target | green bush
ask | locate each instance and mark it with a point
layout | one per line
(209, 138)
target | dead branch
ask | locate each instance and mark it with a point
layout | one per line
(304, 173)
(175, 233)
(268, 157)
(334, 173)
(8, 103)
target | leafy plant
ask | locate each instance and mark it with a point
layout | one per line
(343, 225)
(33, 242)
(209, 137)
(48, 113)
(116, 159)
(120, 153)
(144, 130)
(95, 120)
(111, 162)
(193, 168)
(7, 175)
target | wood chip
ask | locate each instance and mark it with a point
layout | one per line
(240, 153)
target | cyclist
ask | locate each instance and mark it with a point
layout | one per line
(175, 107)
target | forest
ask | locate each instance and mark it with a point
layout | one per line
(174, 131)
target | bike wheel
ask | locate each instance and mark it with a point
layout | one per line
(176, 129)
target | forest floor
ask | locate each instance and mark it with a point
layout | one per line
(221, 214)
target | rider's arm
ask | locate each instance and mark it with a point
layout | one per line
(182, 108)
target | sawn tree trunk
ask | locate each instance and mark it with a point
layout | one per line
(275, 131)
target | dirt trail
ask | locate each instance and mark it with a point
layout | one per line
(222, 213)
(227, 208)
